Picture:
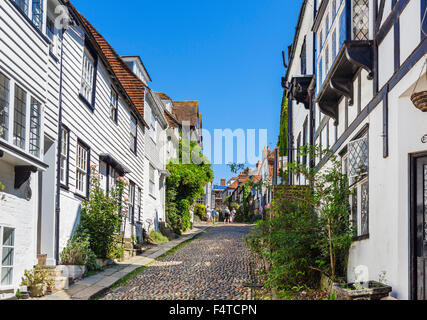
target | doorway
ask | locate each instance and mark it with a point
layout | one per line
(418, 225)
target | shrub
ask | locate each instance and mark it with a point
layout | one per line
(78, 252)
(37, 276)
(200, 211)
(118, 252)
(157, 238)
(234, 206)
(101, 216)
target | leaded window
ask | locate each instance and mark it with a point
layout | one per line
(303, 58)
(19, 117)
(326, 60)
(364, 210)
(87, 77)
(360, 20)
(81, 169)
(23, 5)
(358, 159)
(7, 246)
(50, 28)
(132, 202)
(4, 106)
(38, 13)
(334, 7)
(334, 44)
(342, 28)
(35, 127)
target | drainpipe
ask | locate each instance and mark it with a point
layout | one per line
(58, 156)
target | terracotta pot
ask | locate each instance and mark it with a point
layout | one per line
(419, 99)
(38, 290)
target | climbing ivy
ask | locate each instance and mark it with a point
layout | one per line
(283, 137)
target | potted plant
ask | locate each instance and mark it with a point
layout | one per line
(38, 281)
(369, 290)
(419, 98)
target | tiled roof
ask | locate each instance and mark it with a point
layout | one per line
(163, 96)
(133, 86)
(186, 111)
(173, 122)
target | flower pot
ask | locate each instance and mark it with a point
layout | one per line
(419, 99)
(371, 290)
(38, 290)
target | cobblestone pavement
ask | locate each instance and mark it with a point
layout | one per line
(212, 267)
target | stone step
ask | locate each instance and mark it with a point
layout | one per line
(60, 283)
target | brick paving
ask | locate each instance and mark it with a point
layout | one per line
(212, 267)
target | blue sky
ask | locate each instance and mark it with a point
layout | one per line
(224, 53)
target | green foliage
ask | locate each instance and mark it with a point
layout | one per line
(185, 185)
(101, 216)
(117, 252)
(235, 206)
(283, 137)
(37, 276)
(157, 238)
(2, 188)
(236, 167)
(78, 252)
(200, 211)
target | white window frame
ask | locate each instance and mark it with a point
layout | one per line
(114, 104)
(88, 76)
(64, 156)
(152, 180)
(132, 194)
(153, 126)
(2, 245)
(35, 127)
(4, 112)
(82, 170)
(133, 133)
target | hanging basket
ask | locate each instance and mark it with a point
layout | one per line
(419, 99)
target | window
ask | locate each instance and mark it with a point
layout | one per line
(113, 175)
(38, 13)
(360, 20)
(87, 77)
(153, 126)
(326, 60)
(64, 156)
(321, 71)
(303, 58)
(19, 119)
(152, 180)
(23, 5)
(82, 158)
(114, 100)
(133, 133)
(342, 28)
(334, 7)
(357, 165)
(139, 207)
(132, 202)
(327, 24)
(50, 28)
(35, 126)
(4, 106)
(304, 140)
(7, 243)
(334, 44)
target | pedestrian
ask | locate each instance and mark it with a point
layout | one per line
(213, 216)
(208, 213)
(233, 215)
(227, 215)
(192, 217)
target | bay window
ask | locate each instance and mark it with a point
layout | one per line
(35, 127)
(23, 5)
(4, 106)
(82, 169)
(37, 13)
(7, 250)
(19, 117)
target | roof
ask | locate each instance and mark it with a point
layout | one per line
(186, 111)
(142, 64)
(173, 122)
(163, 96)
(133, 86)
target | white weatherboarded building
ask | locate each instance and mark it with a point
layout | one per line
(369, 58)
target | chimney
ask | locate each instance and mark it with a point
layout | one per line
(222, 182)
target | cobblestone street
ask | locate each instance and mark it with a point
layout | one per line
(212, 267)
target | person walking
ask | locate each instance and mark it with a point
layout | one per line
(208, 213)
(233, 215)
(213, 216)
(227, 215)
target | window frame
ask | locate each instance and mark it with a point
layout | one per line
(133, 135)
(23, 112)
(66, 157)
(35, 147)
(132, 193)
(2, 246)
(152, 180)
(83, 193)
(6, 108)
(114, 105)
(90, 54)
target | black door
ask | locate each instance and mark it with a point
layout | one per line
(419, 230)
